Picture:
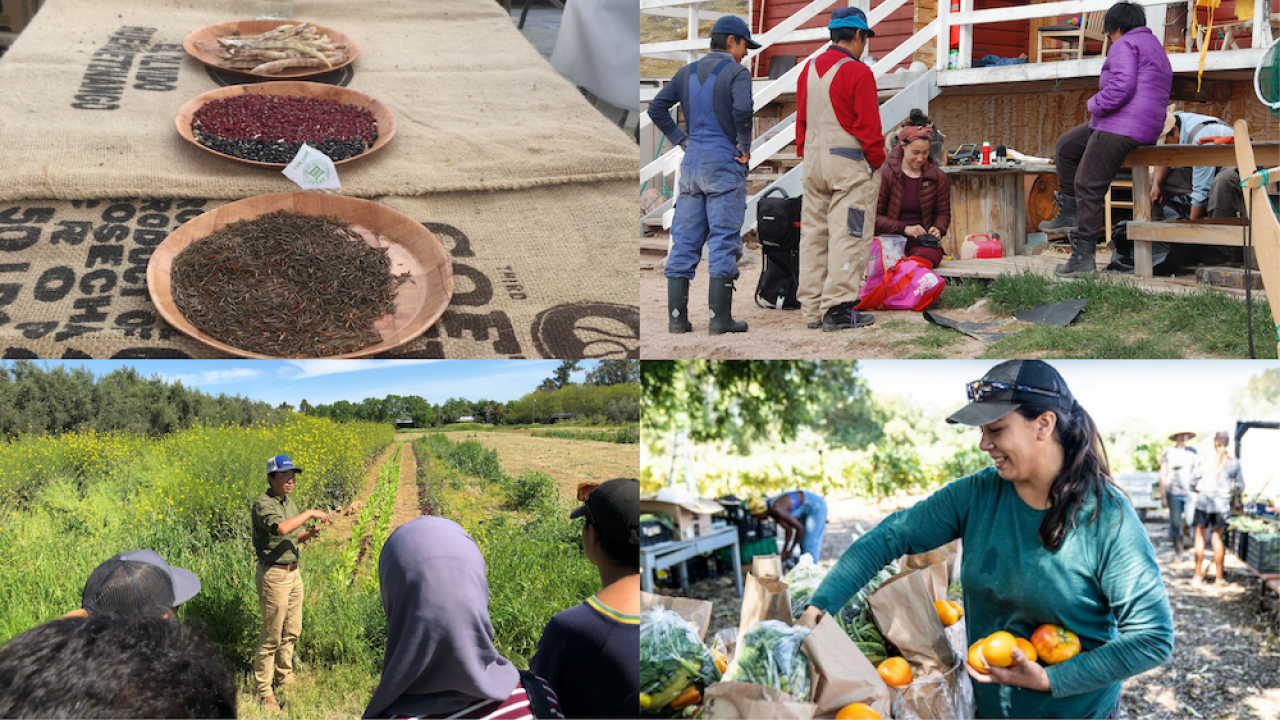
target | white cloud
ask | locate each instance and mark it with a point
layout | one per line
(215, 377)
(316, 368)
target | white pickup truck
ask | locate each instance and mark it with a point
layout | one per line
(1143, 489)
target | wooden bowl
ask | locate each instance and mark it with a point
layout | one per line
(386, 121)
(203, 46)
(412, 248)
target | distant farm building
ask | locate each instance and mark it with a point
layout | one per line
(563, 417)
(467, 418)
(404, 422)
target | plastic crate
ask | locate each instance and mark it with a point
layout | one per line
(1264, 555)
(1242, 545)
(748, 550)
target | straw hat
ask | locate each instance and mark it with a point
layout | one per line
(1188, 433)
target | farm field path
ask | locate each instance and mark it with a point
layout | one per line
(339, 531)
(407, 504)
(570, 462)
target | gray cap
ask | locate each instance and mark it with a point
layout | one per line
(1008, 386)
(185, 583)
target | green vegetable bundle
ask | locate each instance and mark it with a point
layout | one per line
(770, 655)
(672, 657)
(802, 582)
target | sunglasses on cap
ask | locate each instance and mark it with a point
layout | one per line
(984, 390)
(584, 490)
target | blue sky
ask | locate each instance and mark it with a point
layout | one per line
(327, 381)
(1142, 394)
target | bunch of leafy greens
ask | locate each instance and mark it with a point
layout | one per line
(672, 657)
(770, 655)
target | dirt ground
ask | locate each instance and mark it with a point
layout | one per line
(782, 333)
(339, 530)
(1226, 663)
(408, 506)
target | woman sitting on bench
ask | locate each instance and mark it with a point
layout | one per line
(915, 195)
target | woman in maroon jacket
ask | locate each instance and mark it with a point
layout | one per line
(915, 195)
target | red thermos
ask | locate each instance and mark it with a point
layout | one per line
(986, 153)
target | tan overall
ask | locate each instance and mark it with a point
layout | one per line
(839, 210)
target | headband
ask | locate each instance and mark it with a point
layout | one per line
(911, 133)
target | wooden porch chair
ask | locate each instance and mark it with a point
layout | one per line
(1073, 38)
(1266, 227)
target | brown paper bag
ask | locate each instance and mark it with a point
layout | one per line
(841, 673)
(763, 599)
(766, 566)
(753, 702)
(904, 612)
(945, 554)
(697, 612)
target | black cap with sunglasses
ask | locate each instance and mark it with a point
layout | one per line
(1010, 385)
(613, 508)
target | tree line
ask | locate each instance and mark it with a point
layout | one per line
(60, 399)
(611, 394)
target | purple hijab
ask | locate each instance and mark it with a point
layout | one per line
(440, 656)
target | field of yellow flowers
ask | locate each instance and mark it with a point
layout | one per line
(69, 502)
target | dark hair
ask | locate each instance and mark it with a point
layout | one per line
(113, 666)
(1085, 470)
(622, 554)
(845, 34)
(1124, 16)
(719, 41)
(917, 118)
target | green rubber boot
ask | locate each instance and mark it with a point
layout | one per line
(721, 300)
(678, 306)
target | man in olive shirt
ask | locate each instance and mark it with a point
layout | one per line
(277, 535)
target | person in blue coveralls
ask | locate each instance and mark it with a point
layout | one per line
(715, 95)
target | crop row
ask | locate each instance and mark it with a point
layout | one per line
(373, 522)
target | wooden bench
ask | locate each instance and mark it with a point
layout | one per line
(1142, 231)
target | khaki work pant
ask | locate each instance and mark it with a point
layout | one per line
(837, 224)
(280, 600)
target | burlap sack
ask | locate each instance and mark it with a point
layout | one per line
(91, 88)
(544, 264)
(537, 273)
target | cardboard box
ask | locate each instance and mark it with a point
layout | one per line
(15, 14)
(692, 517)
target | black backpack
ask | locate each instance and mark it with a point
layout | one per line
(778, 227)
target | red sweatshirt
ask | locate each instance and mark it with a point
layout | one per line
(853, 92)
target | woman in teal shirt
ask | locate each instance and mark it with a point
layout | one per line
(1048, 538)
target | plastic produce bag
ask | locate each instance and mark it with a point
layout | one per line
(672, 657)
(769, 654)
(949, 695)
(803, 582)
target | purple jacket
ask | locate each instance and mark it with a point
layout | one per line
(1133, 90)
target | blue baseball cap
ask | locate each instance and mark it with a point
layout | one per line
(281, 463)
(850, 17)
(734, 25)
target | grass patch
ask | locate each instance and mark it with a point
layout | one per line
(628, 436)
(960, 294)
(1123, 320)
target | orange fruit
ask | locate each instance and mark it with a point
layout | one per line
(895, 671)
(857, 711)
(975, 658)
(997, 649)
(1027, 649)
(947, 612)
(959, 608)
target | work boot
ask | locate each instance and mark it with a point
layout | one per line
(1081, 262)
(269, 703)
(720, 298)
(1065, 221)
(678, 306)
(1177, 546)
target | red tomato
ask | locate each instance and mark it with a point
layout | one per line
(1055, 644)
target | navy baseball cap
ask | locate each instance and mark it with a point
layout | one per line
(614, 509)
(281, 463)
(1009, 385)
(850, 18)
(734, 25)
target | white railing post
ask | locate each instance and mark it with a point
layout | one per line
(692, 55)
(966, 38)
(1261, 23)
(944, 34)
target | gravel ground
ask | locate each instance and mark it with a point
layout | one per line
(1226, 661)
